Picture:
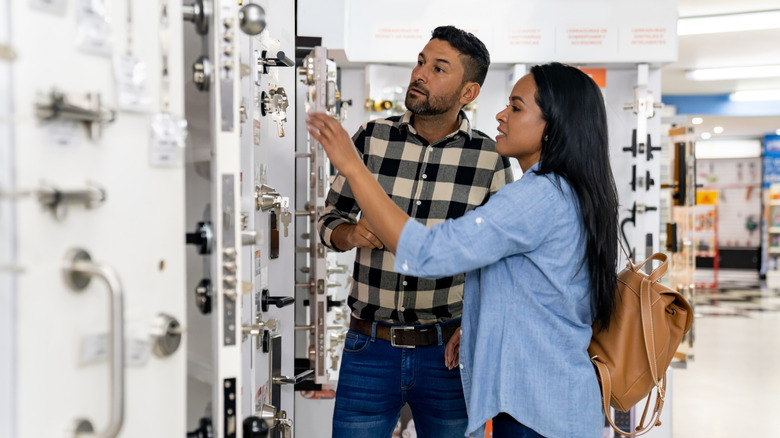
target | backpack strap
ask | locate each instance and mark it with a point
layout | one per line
(606, 390)
(628, 257)
(649, 331)
(656, 415)
(657, 272)
(649, 337)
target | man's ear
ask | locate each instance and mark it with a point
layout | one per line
(469, 92)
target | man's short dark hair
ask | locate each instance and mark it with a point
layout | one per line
(474, 54)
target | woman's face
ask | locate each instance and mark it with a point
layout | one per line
(520, 125)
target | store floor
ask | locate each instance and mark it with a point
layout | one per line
(731, 387)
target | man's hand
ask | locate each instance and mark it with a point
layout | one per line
(361, 235)
(452, 352)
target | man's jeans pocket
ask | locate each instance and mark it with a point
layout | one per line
(356, 343)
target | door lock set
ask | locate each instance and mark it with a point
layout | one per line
(275, 102)
(199, 14)
(259, 330)
(647, 181)
(89, 111)
(58, 200)
(267, 198)
(202, 73)
(203, 238)
(265, 61)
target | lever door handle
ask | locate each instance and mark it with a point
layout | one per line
(267, 300)
(284, 380)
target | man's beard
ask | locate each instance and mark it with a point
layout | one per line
(428, 105)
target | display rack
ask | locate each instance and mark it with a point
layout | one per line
(678, 205)
(705, 234)
(772, 215)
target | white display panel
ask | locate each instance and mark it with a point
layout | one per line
(8, 289)
(134, 235)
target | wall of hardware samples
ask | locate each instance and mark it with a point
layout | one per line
(158, 196)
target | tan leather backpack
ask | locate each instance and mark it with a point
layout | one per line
(632, 356)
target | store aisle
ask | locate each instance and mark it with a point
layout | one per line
(731, 389)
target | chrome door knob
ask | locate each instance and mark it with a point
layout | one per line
(252, 19)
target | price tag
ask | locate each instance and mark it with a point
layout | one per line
(169, 134)
(94, 349)
(130, 75)
(264, 278)
(94, 30)
(62, 134)
(51, 6)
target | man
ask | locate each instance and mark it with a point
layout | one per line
(434, 167)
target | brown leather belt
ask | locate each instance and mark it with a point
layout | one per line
(406, 336)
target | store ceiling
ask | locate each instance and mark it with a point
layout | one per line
(734, 49)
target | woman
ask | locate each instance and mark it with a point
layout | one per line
(540, 258)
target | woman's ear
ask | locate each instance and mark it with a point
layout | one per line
(469, 92)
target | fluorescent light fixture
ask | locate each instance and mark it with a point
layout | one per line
(718, 130)
(697, 120)
(719, 74)
(728, 23)
(728, 148)
(706, 135)
(777, 132)
(755, 95)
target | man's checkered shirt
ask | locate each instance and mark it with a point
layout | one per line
(431, 183)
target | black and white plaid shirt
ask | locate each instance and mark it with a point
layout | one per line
(431, 182)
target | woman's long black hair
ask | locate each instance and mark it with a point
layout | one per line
(575, 147)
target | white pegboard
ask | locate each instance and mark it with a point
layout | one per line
(738, 182)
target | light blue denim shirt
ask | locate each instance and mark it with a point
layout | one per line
(526, 314)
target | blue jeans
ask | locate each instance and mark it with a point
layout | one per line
(505, 426)
(377, 379)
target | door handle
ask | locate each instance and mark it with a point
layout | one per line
(284, 380)
(78, 271)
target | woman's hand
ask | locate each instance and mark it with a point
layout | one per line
(336, 142)
(452, 352)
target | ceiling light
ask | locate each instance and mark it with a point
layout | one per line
(706, 135)
(728, 23)
(777, 132)
(755, 95)
(718, 130)
(697, 120)
(719, 74)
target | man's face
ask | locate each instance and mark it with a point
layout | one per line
(436, 81)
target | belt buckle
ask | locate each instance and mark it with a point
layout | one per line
(392, 335)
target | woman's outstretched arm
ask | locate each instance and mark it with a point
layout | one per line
(384, 216)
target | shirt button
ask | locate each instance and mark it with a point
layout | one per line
(405, 267)
(404, 283)
(401, 308)
(461, 366)
(425, 176)
(478, 220)
(419, 202)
